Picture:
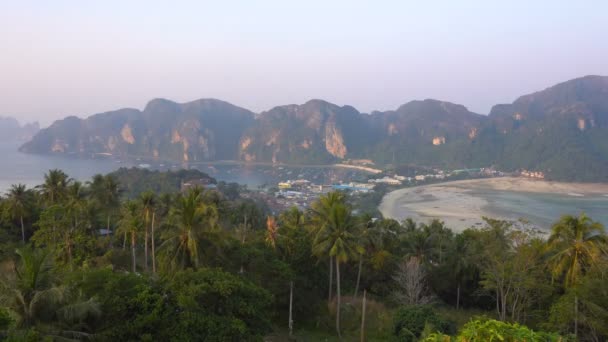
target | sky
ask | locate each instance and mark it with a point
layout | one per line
(74, 57)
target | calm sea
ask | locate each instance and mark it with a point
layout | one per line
(544, 209)
(29, 169)
(540, 209)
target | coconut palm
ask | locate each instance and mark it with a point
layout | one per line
(291, 224)
(338, 240)
(367, 239)
(106, 193)
(319, 213)
(292, 218)
(75, 205)
(418, 243)
(19, 199)
(31, 289)
(192, 222)
(576, 244)
(54, 187)
(131, 223)
(459, 262)
(147, 201)
(34, 298)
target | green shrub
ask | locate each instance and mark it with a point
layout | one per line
(492, 330)
(5, 319)
(411, 321)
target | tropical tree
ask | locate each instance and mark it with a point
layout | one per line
(191, 222)
(19, 204)
(32, 294)
(410, 280)
(440, 237)
(576, 244)
(459, 262)
(368, 239)
(106, 193)
(338, 240)
(320, 212)
(54, 187)
(131, 223)
(147, 201)
(54, 190)
(291, 224)
(31, 286)
(419, 243)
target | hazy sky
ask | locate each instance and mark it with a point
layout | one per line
(77, 57)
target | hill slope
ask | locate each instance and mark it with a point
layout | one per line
(11, 130)
(561, 130)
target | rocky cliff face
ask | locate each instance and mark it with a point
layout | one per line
(316, 131)
(196, 131)
(561, 130)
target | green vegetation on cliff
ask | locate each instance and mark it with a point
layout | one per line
(560, 131)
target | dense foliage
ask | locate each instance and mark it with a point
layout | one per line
(83, 261)
(134, 181)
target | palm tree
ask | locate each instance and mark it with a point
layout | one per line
(147, 201)
(31, 294)
(54, 189)
(19, 204)
(75, 205)
(459, 262)
(131, 223)
(439, 237)
(31, 288)
(105, 191)
(55, 186)
(292, 218)
(338, 240)
(367, 239)
(576, 244)
(291, 224)
(192, 219)
(419, 244)
(320, 212)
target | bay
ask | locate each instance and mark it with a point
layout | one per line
(29, 169)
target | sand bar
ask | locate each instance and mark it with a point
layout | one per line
(456, 204)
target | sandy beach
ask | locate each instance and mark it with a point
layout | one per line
(457, 204)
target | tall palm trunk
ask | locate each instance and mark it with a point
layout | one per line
(358, 276)
(133, 250)
(291, 308)
(338, 299)
(108, 231)
(124, 242)
(363, 318)
(576, 315)
(146, 244)
(331, 277)
(458, 296)
(69, 246)
(153, 246)
(22, 229)
(242, 270)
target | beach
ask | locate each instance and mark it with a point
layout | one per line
(462, 204)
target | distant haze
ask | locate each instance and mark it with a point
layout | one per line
(62, 58)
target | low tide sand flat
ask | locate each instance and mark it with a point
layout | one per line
(460, 206)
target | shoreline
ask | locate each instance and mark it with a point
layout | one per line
(135, 160)
(460, 205)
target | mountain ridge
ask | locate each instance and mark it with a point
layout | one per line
(542, 131)
(11, 129)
